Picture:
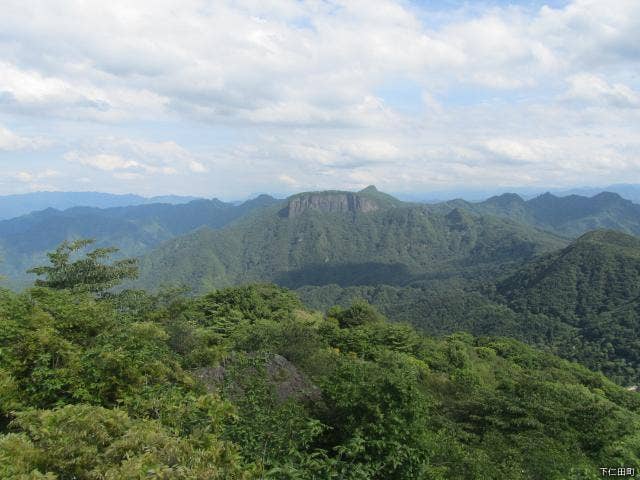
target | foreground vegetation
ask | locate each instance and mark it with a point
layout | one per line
(246, 383)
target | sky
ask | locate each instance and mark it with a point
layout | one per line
(232, 98)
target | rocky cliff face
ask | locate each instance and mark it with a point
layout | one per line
(329, 203)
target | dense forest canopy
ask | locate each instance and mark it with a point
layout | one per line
(246, 382)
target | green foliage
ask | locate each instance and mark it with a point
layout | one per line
(359, 313)
(380, 420)
(87, 442)
(88, 274)
(253, 302)
(110, 388)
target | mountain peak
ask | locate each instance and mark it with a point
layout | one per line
(547, 196)
(369, 189)
(505, 199)
(610, 237)
(608, 197)
(263, 200)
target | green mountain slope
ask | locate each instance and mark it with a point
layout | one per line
(135, 229)
(592, 287)
(363, 238)
(598, 272)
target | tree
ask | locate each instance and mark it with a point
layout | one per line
(359, 313)
(88, 274)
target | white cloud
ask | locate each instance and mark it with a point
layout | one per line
(514, 150)
(10, 141)
(592, 33)
(129, 159)
(244, 62)
(35, 180)
(73, 96)
(128, 176)
(288, 180)
(102, 161)
(29, 177)
(596, 90)
(258, 88)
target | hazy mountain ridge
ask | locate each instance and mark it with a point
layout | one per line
(569, 216)
(626, 190)
(21, 204)
(133, 229)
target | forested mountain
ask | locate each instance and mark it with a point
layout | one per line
(21, 204)
(593, 287)
(246, 383)
(135, 229)
(626, 190)
(346, 238)
(570, 216)
(438, 271)
(598, 272)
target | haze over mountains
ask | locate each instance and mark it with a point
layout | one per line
(21, 204)
(134, 229)
(569, 215)
(309, 238)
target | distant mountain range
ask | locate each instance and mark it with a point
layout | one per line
(316, 238)
(569, 216)
(21, 204)
(628, 191)
(625, 190)
(134, 229)
(15, 205)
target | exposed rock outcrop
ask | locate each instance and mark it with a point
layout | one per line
(288, 382)
(329, 202)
